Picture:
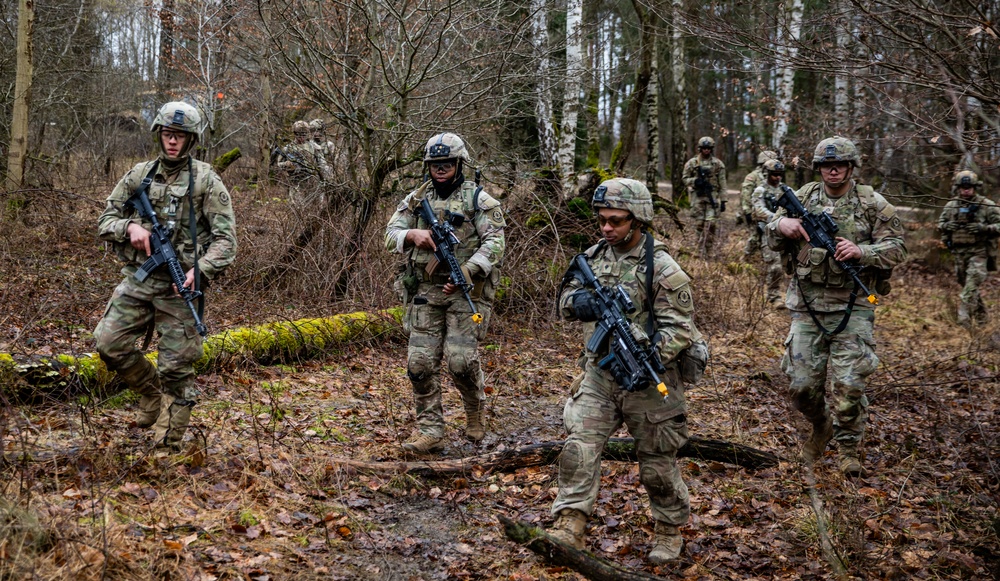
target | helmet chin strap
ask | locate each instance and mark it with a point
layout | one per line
(627, 239)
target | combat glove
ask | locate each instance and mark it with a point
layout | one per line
(585, 306)
(949, 226)
(973, 227)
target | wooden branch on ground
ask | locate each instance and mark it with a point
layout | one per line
(558, 553)
(620, 449)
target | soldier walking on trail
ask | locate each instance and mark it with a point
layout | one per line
(762, 204)
(705, 178)
(307, 168)
(831, 330)
(628, 255)
(437, 316)
(751, 182)
(190, 199)
(970, 225)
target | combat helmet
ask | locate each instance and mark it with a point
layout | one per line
(706, 142)
(317, 125)
(300, 128)
(625, 194)
(446, 146)
(966, 178)
(773, 166)
(178, 115)
(834, 149)
(766, 155)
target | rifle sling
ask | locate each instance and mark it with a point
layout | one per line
(847, 313)
(144, 185)
(192, 224)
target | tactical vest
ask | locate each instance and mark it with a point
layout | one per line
(855, 222)
(464, 203)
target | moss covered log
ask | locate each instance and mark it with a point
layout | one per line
(280, 341)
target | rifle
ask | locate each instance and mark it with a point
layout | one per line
(280, 152)
(163, 252)
(632, 366)
(821, 230)
(445, 240)
(703, 187)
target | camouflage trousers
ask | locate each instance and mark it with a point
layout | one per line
(595, 412)
(133, 306)
(774, 273)
(441, 326)
(753, 244)
(970, 268)
(849, 356)
(705, 217)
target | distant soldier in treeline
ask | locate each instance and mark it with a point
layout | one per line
(306, 166)
(970, 225)
(751, 182)
(763, 206)
(705, 178)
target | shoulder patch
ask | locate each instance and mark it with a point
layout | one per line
(224, 198)
(675, 280)
(487, 202)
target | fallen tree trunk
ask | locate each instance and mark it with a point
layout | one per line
(562, 554)
(282, 341)
(620, 449)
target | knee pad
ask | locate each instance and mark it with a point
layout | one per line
(656, 483)
(571, 461)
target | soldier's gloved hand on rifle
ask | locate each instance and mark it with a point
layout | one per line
(974, 228)
(950, 226)
(585, 306)
(700, 184)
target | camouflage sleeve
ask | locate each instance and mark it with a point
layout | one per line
(759, 209)
(690, 173)
(113, 225)
(673, 307)
(490, 226)
(402, 221)
(746, 193)
(947, 215)
(566, 300)
(723, 186)
(887, 248)
(992, 218)
(217, 209)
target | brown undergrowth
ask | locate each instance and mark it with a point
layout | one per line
(258, 493)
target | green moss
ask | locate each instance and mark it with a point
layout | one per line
(580, 208)
(537, 221)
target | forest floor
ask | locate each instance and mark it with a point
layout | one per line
(260, 494)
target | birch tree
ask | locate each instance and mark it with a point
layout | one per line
(543, 90)
(678, 101)
(653, 120)
(787, 39)
(571, 96)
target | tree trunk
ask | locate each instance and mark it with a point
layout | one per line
(559, 553)
(166, 45)
(617, 449)
(638, 97)
(841, 84)
(653, 120)
(678, 109)
(543, 94)
(17, 153)
(571, 99)
(789, 30)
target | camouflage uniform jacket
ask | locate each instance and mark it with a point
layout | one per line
(717, 174)
(673, 307)
(863, 217)
(960, 213)
(754, 180)
(758, 204)
(309, 154)
(481, 235)
(213, 210)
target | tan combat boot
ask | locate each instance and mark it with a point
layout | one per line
(821, 435)
(667, 544)
(423, 444)
(474, 428)
(569, 528)
(850, 462)
(175, 415)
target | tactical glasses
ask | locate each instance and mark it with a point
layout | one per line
(442, 165)
(615, 221)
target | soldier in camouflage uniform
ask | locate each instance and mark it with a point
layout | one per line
(318, 129)
(762, 212)
(182, 188)
(437, 316)
(751, 182)
(703, 212)
(969, 225)
(598, 406)
(830, 330)
(307, 168)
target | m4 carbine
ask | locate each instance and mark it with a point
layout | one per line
(821, 230)
(703, 187)
(632, 366)
(443, 234)
(163, 252)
